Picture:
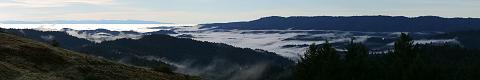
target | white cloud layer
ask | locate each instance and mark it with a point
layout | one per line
(50, 3)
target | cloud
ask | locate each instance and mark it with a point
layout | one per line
(51, 3)
(48, 37)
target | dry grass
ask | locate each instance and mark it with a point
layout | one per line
(25, 59)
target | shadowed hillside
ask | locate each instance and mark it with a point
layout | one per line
(211, 60)
(66, 41)
(26, 59)
(468, 39)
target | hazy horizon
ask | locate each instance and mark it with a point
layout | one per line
(213, 11)
(134, 21)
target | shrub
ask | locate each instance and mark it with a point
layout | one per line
(163, 68)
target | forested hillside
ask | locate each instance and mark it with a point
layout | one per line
(468, 39)
(407, 61)
(66, 41)
(227, 61)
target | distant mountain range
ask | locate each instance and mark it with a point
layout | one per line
(85, 22)
(355, 23)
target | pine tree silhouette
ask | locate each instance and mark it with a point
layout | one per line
(357, 62)
(319, 63)
(305, 67)
(407, 62)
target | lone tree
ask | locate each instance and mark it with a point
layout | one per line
(306, 64)
(406, 62)
(403, 46)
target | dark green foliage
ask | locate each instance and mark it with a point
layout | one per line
(403, 46)
(357, 63)
(305, 67)
(320, 63)
(408, 61)
(405, 63)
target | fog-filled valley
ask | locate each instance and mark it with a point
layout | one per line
(286, 43)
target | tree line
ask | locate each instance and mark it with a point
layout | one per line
(407, 61)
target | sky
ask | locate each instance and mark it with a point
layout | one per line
(213, 11)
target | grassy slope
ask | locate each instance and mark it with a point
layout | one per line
(26, 59)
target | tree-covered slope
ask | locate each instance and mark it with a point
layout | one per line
(210, 60)
(406, 61)
(66, 41)
(25, 59)
(468, 39)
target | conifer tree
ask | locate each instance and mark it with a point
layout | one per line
(357, 62)
(319, 63)
(407, 62)
(304, 69)
(403, 46)
(330, 63)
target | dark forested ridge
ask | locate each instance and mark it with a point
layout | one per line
(66, 41)
(24, 59)
(227, 60)
(468, 39)
(355, 23)
(179, 49)
(407, 61)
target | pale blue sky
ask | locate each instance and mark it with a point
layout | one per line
(207, 11)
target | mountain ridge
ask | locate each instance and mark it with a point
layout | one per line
(354, 23)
